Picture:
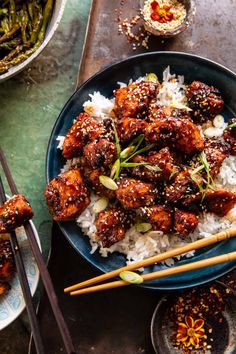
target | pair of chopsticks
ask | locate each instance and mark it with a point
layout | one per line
(24, 283)
(45, 276)
(85, 286)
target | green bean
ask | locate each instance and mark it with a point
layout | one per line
(5, 25)
(23, 56)
(11, 44)
(23, 26)
(47, 12)
(3, 12)
(13, 11)
(37, 24)
(9, 34)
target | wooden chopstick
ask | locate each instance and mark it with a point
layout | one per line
(156, 259)
(228, 257)
(45, 276)
(24, 283)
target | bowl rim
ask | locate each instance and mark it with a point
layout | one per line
(21, 66)
(231, 265)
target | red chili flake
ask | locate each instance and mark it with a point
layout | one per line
(190, 314)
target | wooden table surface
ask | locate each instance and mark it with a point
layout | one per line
(32, 100)
(212, 35)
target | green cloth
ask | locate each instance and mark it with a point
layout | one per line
(29, 106)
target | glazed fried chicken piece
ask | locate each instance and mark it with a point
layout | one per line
(7, 264)
(92, 176)
(177, 133)
(185, 222)
(184, 184)
(206, 101)
(159, 112)
(111, 226)
(85, 128)
(14, 212)
(99, 153)
(134, 99)
(133, 193)
(230, 136)
(128, 128)
(216, 151)
(67, 195)
(4, 288)
(159, 216)
(161, 161)
(219, 201)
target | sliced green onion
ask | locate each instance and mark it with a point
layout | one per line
(131, 277)
(116, 139)
(108, 183)
(138, 140)
(126, 152)
(152, 77)
(115, 170)
(231, 126)
(153, 168)
(197, 169)
(100, 205)
(146, 148)
(133, 164)
(143, 227)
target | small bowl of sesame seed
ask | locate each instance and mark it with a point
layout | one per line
(167, 18)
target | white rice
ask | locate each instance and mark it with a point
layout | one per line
(98, 106)
(137, 246)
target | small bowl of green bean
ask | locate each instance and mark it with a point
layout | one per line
(26, 27)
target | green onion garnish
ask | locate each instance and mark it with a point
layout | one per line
(143, 227)
(108, 183)
(131, 277)
(152, 77)
(233, 125)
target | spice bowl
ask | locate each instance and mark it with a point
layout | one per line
(167, 18)
(210, 328)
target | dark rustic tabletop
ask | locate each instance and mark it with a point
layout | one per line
(119, 321)
(115, 321)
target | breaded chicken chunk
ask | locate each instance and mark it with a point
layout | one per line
(159, 216)
(184, 184)
(67, 195)
(216, 151)
(4, 288)
(111, 226)
(161, 166)
(92, 176)
(7, 264)
(206, 101)
(133, 100)
(219, 201)
(230, 135)
(133, 193)
(14, 213)
(176, 133)
(99, 153)
(185, 222)
(86, 128)
(159, 112)
(128, 128)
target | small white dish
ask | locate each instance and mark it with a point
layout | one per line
(12, 303)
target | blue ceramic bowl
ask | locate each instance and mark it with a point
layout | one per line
(193, 68)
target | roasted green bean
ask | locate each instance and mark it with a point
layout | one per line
(22, 29)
